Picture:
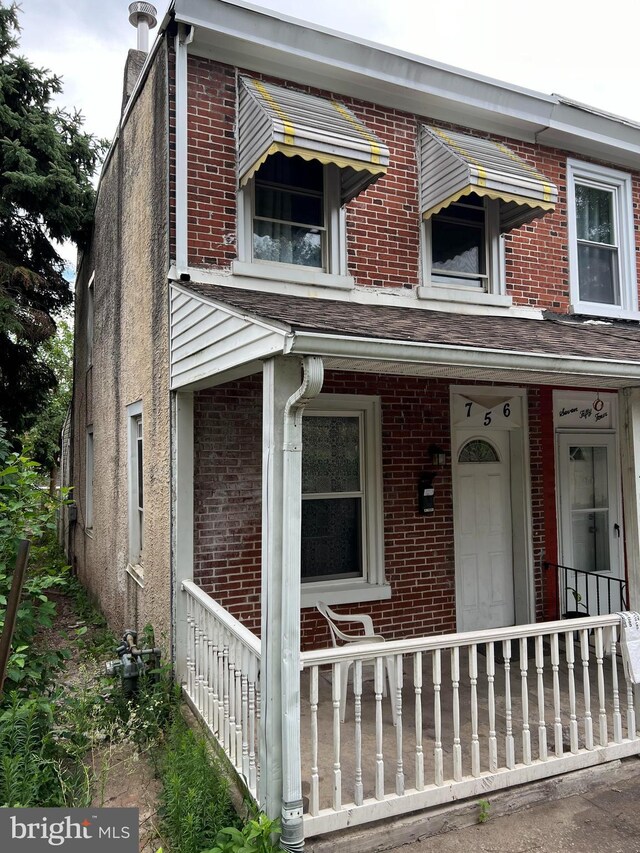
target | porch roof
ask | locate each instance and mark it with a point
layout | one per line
(379, 338)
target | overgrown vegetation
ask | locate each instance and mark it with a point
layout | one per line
(58, 743)
(37, 768)
(27, 511)
(258, 835)
(194, 803)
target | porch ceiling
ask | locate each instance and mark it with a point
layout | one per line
(484, 374)
(419, 342)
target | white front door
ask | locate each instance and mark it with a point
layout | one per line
(483, 530)
(590, 522)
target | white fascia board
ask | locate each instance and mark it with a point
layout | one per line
(374, 349)
(587, 134)
(263, 40)
(241, 34)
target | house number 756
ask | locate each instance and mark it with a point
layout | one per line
(488, 415)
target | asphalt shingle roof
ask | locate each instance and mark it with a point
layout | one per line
(555, 335)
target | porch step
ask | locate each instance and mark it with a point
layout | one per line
(390, 834)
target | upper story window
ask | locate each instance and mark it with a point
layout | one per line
(90, 318)
(289, 213)
(459, 242)
(301, 159)
(472, 191)
(601, 241)
(463, 245)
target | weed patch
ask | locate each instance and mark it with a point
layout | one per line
(194, 803)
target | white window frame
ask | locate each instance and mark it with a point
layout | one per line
(89, 471)
(90, 318)
(136, 521)
(372, 585)
(620, 184)
(334, 273)
(454, 289)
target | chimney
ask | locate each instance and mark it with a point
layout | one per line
(143, 17)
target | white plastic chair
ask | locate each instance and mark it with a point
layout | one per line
(368, 635)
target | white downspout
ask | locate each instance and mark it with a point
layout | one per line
(183, 39)
(292, 837)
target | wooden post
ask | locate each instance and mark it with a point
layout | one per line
(12, 608)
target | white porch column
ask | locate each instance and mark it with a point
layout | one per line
(281, 378)
(630, 463)
(292, 837)
(183, 524)
(284, 399)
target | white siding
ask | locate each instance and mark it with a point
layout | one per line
(207, 339)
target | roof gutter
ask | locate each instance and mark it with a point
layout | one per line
(183, 39)
(374, 349)
(241, 34)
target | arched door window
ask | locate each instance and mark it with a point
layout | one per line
(478, 450)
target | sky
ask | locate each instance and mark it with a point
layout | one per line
(584, 50)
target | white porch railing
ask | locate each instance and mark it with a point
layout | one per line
(223, 668)
(475, 712)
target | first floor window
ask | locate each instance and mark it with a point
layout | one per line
(333, 496)
(341, 495)
(602, 263)
(136, 485)
(88, 513)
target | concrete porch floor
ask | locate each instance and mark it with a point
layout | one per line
(391, 753)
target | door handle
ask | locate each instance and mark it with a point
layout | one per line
(616, 530)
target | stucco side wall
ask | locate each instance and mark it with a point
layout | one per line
(129, 254)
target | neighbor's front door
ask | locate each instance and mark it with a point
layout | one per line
(483, 530)
(590, 523)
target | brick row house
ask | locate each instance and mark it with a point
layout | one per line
(360, 328)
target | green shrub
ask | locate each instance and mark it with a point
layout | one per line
(258, 835)
(194, 802)
(27, 511)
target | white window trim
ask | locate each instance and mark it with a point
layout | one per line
(372, 586)
(134, 411)
(620, 184)
(335, 275)
(89, 476)
(90, 318)
(495, 292)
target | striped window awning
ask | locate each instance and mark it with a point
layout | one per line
(454, 165)
(273, 119)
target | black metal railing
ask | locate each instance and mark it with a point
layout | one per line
(578, 591)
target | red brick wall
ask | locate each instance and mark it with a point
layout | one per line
(419, 553)
(211, 179)
(383, 223)
(227, 496)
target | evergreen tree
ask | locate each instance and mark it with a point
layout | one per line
(46, 162)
